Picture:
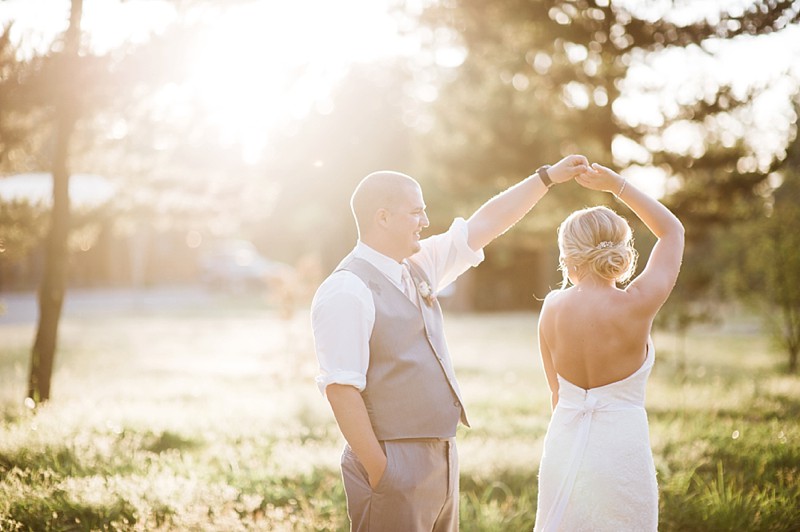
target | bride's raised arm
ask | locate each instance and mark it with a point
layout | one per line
(658, 278)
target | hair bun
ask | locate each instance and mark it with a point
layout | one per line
(597, 240)
(612, 262)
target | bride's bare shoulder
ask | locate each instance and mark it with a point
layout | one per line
(554, 298)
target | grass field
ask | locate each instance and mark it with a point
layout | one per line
(207, 418)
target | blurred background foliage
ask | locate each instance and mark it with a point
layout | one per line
(197, 146)
(483, 95)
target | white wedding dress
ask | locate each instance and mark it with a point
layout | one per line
(597, 470)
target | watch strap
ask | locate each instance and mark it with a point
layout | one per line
(544, 176)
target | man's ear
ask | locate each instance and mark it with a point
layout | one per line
(382, 217)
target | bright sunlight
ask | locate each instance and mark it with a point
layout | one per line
(253, 66)
(263, 63)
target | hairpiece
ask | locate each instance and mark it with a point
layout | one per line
(605, 244)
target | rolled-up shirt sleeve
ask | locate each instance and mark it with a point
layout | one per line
(342, 316)
(446, 256)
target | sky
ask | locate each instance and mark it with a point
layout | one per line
(256, 46)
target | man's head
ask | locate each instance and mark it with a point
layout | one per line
(390, 213)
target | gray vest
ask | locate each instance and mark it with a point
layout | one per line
(411, 388)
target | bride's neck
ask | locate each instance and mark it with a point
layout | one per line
(595, 281)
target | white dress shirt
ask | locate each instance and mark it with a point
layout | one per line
(343, 313)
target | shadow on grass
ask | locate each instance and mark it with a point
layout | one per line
(734, 470)
(315, 501)
(56, 510)
(60, 460)
(68, 459)
(736, 485)
(169, 441)
(506, 501)
(722, 498)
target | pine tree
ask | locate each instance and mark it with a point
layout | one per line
(542, 78)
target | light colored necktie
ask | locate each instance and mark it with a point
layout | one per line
(408, 284)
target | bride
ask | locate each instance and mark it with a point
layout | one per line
(597, 470)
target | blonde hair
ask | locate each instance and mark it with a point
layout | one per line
(600, 240)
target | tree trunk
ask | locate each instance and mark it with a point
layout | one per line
(51, 291)
(795, 340)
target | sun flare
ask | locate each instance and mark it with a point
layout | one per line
(261, 64)
(252, 66)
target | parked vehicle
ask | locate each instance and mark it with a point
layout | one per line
(236, 265)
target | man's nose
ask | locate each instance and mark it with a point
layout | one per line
(425, 221)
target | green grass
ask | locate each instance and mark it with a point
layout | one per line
(209, 419)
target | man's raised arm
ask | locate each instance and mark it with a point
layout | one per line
(501, 212)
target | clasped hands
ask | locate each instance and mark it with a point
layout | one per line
(592, 176)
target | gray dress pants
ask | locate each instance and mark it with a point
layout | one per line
(417, 493)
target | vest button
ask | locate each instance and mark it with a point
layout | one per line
(456, 403)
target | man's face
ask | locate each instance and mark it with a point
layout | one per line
(407, 219)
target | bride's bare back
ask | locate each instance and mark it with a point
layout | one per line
(594, 335)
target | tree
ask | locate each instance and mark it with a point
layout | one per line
(65, 89)
(769, 256)
(21, 224)
(51, 293)
(550, 72)
(770, 274)
(541, 78)
(15, 117)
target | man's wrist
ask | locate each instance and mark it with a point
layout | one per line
(544, 176)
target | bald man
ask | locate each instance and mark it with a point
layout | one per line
(384, 363)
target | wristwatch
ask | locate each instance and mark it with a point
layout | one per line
(544, 176)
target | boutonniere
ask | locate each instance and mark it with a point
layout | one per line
(426, 292)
